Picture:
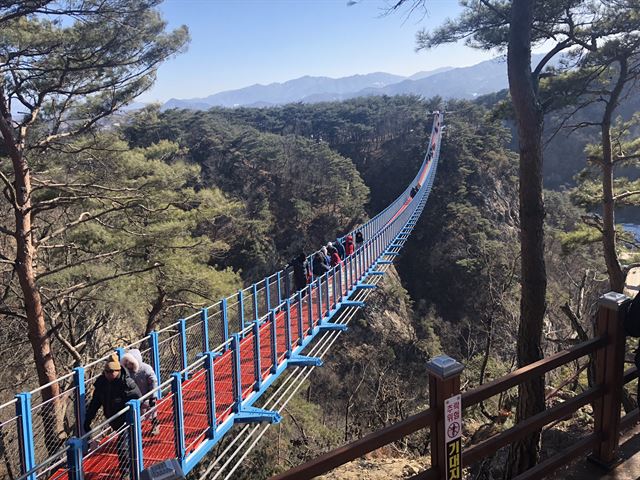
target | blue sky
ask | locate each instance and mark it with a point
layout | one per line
(236, 43)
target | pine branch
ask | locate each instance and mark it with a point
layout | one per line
(626, 194)
(83, 218)
(83, 285)
(78, 263)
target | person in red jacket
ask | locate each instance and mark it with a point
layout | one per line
(349, 246)
(335, 256)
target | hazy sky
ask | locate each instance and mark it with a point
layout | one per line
(236, 43)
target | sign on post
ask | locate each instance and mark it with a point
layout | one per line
(452, 436)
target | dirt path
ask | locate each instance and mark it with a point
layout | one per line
(377, 469)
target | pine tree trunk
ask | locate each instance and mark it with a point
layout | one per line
(25, 260)
(614, 270)
(36, 326)
(525, 453)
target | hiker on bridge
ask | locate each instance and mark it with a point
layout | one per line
(359, 240)
(334, 256)
(338, 246)
(301, 272)
(349, 247)
(320, 265)
(111, 391)
(146, 380)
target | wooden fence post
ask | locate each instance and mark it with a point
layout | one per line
(609, 365)
(444, 382)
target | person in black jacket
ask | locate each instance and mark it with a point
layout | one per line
(111, 391)
(359, 240)
(300, 271)
(338, 246)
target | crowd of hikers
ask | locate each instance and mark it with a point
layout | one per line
(329, 256)
(325, 259)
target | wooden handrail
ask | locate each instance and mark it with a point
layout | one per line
(550, 464)
(528, 425)
(630, 374)
(609, 349)
(353, 450)
(430, 474)
(488, 390)
(629, 419)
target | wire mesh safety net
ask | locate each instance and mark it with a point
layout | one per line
(223, 379)
(261, 295)
(52, 421)
(54, 468)
(158, 429)
(9, 446)
(109, 454)
(247, 365)
(194, 339)
(169, 351)
(195, 404)
(265, 349)
(274, 298)
(216, 335)
(281, 335)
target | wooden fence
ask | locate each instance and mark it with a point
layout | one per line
(608, 347)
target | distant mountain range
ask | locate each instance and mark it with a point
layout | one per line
(448, 82)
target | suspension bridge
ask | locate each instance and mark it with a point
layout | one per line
(214, 367)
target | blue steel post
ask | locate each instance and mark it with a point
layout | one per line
(353, 272)
(178, 417)
(155, 358)
(336, 274)
(237, 373)
(287, 326)
(327, 296)
(274, 341)
(279, 289)
(25, 431)
(135, 439)
(267, 292)
(319, 290)
(355, 276)
(365, 254)
(310, 307)
(256, 312)
(182, 328)
(225, 322)
(300, 332)
(256, 356)
(287, 284)
(74, 459)
(204, 318)
(241, 310)
(80, 402)
(211, 394)
(347, 273)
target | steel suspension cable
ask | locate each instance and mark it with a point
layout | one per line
(294, 380)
